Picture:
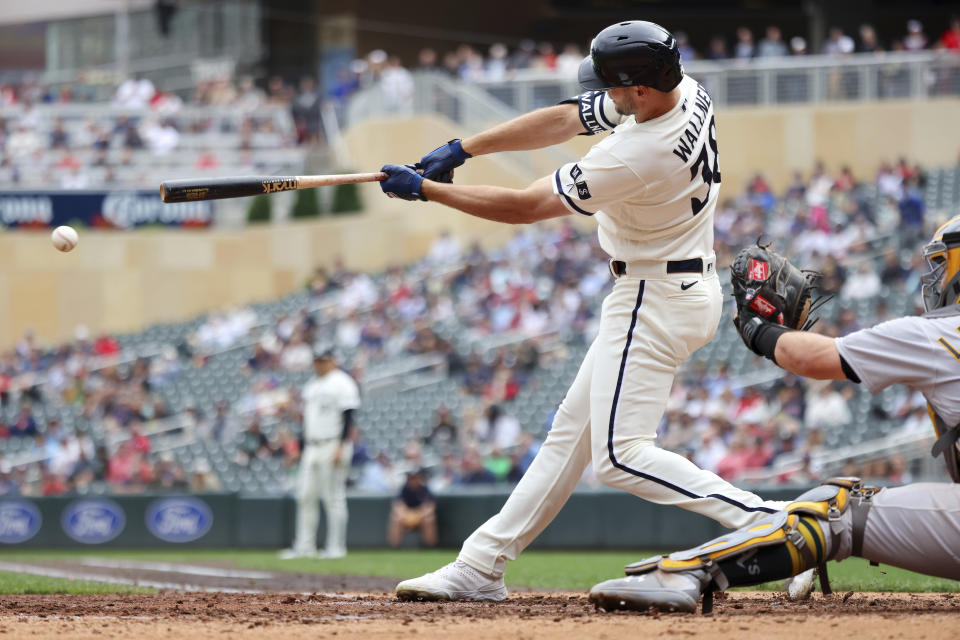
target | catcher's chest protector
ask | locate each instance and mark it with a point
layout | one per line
(947, 435)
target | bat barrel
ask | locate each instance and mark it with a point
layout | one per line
(219, 188)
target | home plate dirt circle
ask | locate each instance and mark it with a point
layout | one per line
(269, 615)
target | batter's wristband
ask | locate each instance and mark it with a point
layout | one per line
(765, 340)
(456, 146)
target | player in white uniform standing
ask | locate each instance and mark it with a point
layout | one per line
(915, 527)
(652, 188)
(329, 401)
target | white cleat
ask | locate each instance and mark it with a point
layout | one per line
(296, 554)
(332, 555)
(455, 581)
(800, 586)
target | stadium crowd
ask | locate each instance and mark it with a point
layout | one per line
(545, 284)
(100, 150)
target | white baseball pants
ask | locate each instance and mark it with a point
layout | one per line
(610, 415)
(319, 478)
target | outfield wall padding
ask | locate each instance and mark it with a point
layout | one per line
(590, 520)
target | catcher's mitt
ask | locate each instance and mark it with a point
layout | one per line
(767, 286)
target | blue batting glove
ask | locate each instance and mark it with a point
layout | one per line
(402, 182)
(439, 164)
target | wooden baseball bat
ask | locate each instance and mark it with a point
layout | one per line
(241, 186)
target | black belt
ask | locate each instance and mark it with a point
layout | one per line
(693, 265)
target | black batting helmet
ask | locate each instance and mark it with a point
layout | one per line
(632, 53)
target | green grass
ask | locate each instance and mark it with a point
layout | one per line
(21, 583)
(568, 570)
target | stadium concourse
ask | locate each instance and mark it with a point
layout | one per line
(464, 355)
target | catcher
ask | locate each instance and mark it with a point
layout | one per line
(915, 527)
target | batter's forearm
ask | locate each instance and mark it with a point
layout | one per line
(534, 130)
(500, 204)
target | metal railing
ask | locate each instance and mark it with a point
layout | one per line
(468, 105)
(765, 81)
(761, 81)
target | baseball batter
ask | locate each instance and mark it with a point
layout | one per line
(329, 401)
(915, 527)
(652, 188)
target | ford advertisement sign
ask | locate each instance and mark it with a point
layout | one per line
(179, 519)
(93, 521)
(99, 209)
(19, 521)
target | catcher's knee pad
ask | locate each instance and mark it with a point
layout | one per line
(806, 534)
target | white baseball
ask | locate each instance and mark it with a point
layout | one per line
(64, 238)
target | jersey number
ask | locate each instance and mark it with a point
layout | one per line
(709, 173)
(949, 346)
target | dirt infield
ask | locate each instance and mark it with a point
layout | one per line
(741, 615)
(222, 601)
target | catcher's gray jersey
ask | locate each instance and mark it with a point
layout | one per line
(922, 352)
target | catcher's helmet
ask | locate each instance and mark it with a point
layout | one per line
(632, 53)
(941, 285)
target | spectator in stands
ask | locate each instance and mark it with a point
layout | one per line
(249, 96)
(568, 62)
(52, 484)
(863, 284)
(120, 468)
(160, 136)
(135, 93)
(496, 65)
(687, 52)
(710, 451)
(206, 160)
(170, 476)
(745, 48)
(889, 182)
(397, 88)
(498, 463)
(379, 475)
(445, 249)
(827, 408)
(838, 43)
(717, 49)
(893, 273)
(252, 443)
(306, 111)
(473, 470)
(203, 479)
(444, 433)
(798, 46)
(734, 461)
(8, 484)
(496, 428)
(297, 355)
(24, 425)
(869, 42)
(916, 39)
(950, 39)
(772, 45)
(448, 475)
(413, 510)
(912, 211)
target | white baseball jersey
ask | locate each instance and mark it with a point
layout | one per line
(921, 352)
(324, 401)
(652, 186)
